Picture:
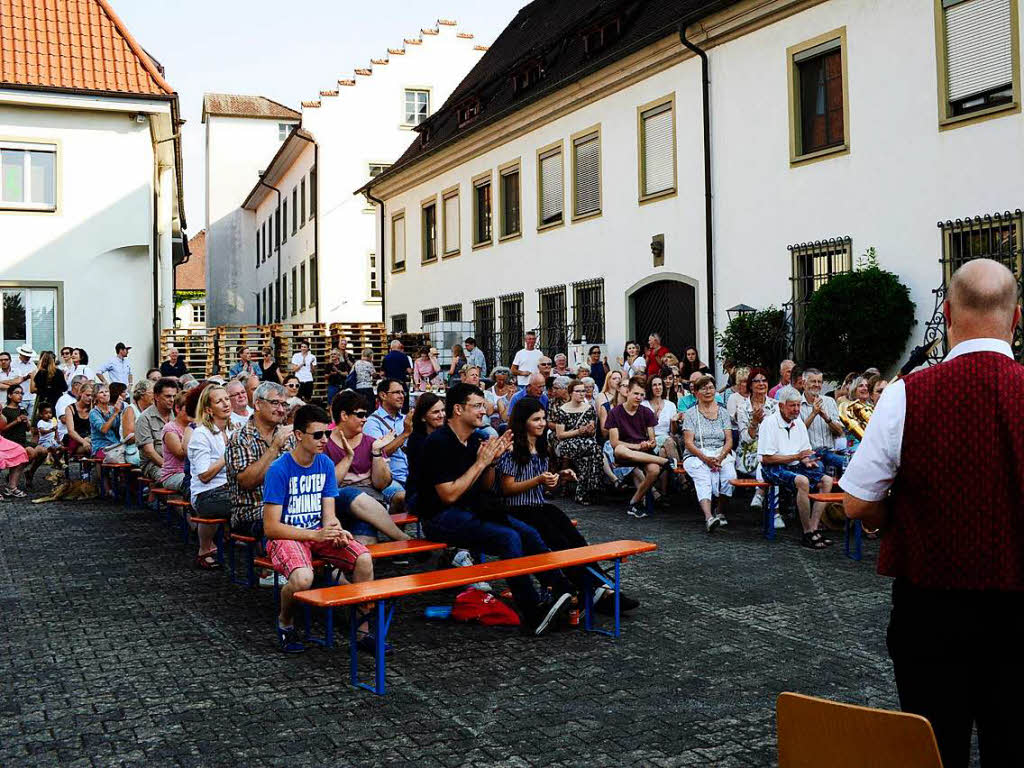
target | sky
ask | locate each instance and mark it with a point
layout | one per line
(286, 51)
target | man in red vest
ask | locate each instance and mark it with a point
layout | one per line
(941, 470)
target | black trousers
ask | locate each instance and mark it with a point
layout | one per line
(558, 533)
(958, 659)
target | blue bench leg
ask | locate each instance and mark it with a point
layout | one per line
(588, 600)
(854, 530)
(770, 508)
(382, 616)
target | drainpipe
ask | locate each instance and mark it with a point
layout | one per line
(316, 220)
(156, 278)
(277, 286)
(708, 220)
(381, 258)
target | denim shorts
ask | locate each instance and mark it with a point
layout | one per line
(342, 508)
(784, 475)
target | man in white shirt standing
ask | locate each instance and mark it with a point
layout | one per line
(303, 363)
(787, 461)
(525, 361)
(24, 367)
(118, 368)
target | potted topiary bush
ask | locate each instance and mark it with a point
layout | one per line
(755, 338)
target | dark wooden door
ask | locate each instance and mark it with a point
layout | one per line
(668, 308)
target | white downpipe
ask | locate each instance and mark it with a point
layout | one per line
(165, 300)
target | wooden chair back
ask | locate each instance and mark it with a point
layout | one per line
(817, 732)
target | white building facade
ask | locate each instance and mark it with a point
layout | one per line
(90, 202)
(580, 210)
(242, 134)
(321, 264)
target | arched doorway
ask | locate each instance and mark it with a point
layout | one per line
(666, 307)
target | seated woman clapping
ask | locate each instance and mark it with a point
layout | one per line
(575, 424)
(708, 460)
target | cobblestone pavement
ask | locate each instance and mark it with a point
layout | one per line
(115, 651)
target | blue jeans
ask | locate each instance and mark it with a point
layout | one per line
(829, 458)
(506, 539)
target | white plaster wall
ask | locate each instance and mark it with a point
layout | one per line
(300, 246)
(99, 241)
(615, 246)
(363, 125)
(237, 149)
(902, 174)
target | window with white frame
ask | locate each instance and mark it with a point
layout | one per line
(398, 242)
(657, 150)
(452, 222)
(374, 276)
(586, 169)
(29, 317)
(199, 311)
(551, 188)
(283, 129)
(417, 106)
(28, 176)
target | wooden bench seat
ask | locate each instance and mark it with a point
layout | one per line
(768, 508)
(383, 592)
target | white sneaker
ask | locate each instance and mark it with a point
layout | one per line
(483, 586)
(721, 520)
(779, 522)
(463, 559)
(711, 523)
(758, 501)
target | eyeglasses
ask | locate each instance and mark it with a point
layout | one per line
(275, 403)
(758, 380)
(320, 434)
(396, 392)
(360, 414)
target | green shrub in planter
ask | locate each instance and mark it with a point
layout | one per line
(859, 319)
(755, 338)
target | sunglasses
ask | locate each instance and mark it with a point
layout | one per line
(759, 381)
(320, 434)
(360, 414)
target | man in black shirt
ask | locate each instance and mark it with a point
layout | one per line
(173, 366)
(458, 466)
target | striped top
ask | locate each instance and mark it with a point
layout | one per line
(534, 497)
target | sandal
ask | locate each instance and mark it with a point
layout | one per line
(207, 562)
(818, 536)
(813, 541)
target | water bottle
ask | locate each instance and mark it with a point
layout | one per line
(438, 612)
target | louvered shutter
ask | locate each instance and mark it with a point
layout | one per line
(451, 224)
(551, 193)
(398, 247)
(588, 175)
(978, 47)
(659, 159)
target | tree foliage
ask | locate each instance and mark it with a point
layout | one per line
(755, 338)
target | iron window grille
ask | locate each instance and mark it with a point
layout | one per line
(399, 324)
(452, 313)
(429, 316)
(552, 319)
(813, 265)
(588, 311)
(485, 330)
(512, 325)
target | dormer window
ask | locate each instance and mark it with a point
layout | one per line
(527, 76)
(468, 111)
(601, 36)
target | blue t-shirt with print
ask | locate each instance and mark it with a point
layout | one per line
(300, 490)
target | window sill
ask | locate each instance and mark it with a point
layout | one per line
(26, 208)
(481, 246)
(510, 236)
(586, 216)
(372, 300)
(657, 196)
(552, 225)
(452, 254)
(970, 118)
(821, 154)
(397, 270)
(428, 262)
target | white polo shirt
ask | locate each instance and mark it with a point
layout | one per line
(778, 437)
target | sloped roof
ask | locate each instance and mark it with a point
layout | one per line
(191, 276)
(549, 32)
(73, 44)
(241, 105)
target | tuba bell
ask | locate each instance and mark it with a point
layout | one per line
(855, 416)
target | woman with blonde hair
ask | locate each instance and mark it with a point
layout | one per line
(48, 383)
(208, 486)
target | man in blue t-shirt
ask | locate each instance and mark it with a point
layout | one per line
(299, 521)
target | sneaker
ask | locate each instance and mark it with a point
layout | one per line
(636, 510)
(711, 523)
(289, 640)
(606, 606)
(462, 559)
(670, 465)
(550, 611)
(267, 581)
(722, 521)
(367, 643)
(758, 501)
(779, 522)
(600, 592)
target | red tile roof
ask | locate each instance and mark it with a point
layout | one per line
(241, 105)
(73, 44)
(191, 276)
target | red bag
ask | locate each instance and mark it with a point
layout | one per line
(474, 605)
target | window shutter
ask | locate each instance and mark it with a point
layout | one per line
(659, 160)
(551, 194)
(399, 244)
(588, 175)
(978, 49)
(451, 224)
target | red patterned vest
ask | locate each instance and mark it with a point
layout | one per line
(956, 513)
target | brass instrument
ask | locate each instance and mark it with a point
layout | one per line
(855, 416)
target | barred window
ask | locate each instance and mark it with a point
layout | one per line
(588, 311)
(512, 325)
(993, 236)
(484, 329)
(429, 316)
(399, 324)
(552, 325)
(814, 264)
(451, 313)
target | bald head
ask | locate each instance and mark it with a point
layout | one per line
(535, 387)
(982, 302)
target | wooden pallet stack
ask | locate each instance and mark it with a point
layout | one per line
(288, 336)
(195, 346)
(231, 337)
(359, 336)
(412, 342)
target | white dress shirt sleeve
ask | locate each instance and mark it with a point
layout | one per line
(873, 467)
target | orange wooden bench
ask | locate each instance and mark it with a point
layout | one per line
(852, 529)
(768, 509)
(384, 592)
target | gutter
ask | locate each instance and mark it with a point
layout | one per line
(316, 220)
(709, 230)
(277, 247)
(381, 259)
